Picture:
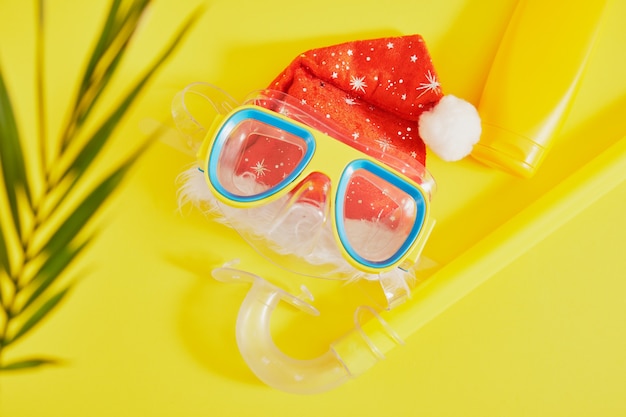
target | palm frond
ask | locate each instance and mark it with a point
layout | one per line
(39, 87)
(47, 274)
(97, 140)
(42, 311)
(5, 266)
(27, 364)
(84, 211)
(12, 157)
(118, 30)
(30, 273)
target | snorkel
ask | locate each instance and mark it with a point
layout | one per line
(346, 358)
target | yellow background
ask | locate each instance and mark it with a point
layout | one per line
(147, 332)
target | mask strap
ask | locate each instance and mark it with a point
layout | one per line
(195, 107)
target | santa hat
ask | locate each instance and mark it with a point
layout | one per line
(385, 93)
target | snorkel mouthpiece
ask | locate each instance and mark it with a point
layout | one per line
(348, 357)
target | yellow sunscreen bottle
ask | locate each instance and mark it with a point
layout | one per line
(533, 80)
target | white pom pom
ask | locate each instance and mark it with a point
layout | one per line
(451, 128)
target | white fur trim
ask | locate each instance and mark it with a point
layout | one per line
(451, 128)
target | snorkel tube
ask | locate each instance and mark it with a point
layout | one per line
(346, 358)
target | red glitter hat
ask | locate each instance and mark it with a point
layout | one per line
(387, 94)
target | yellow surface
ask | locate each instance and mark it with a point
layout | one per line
(148, 333)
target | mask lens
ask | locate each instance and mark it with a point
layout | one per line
(380, 217)
(253, 158)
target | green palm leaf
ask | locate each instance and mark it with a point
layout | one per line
(84, 211)
(29, 293)
(11, 156)
(112, 44)
(96, 142)
(5, 267)
(49, 272)
(4, 255)
(27, 364)
(46, 307)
